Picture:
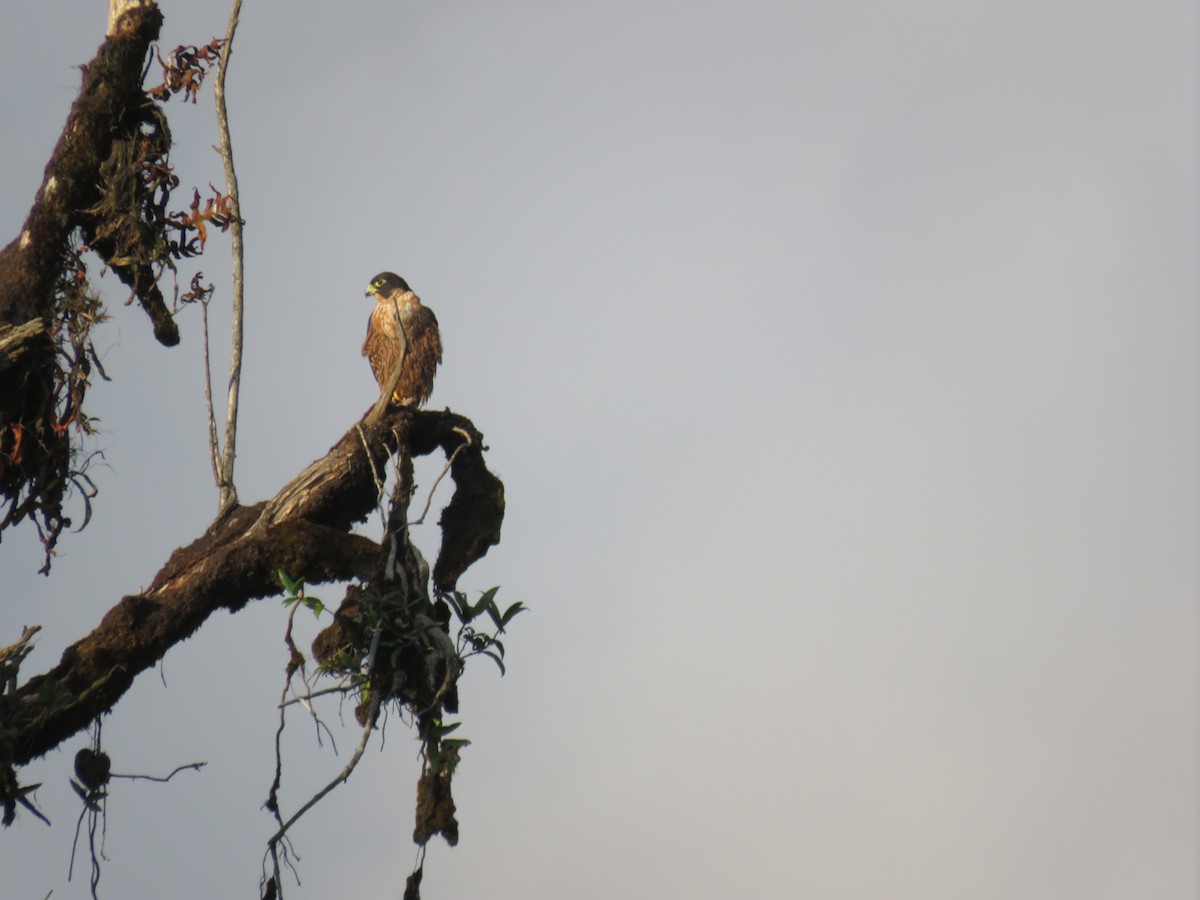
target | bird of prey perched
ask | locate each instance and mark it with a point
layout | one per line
(402, 332)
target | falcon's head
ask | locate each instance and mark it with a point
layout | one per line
(386, 283)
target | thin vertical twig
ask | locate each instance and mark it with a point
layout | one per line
(228, 492)
(214, 449)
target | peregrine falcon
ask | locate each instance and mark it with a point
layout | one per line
(402, 331)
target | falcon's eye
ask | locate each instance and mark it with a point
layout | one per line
(378, 282)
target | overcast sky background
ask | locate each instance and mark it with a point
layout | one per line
(840, 361)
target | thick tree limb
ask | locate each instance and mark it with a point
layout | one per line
(92, 192)
(303, 530)
(107, 110)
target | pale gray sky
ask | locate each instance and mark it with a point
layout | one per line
(840, 361)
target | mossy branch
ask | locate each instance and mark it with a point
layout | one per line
(304, 528)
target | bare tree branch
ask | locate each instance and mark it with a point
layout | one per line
(196, 766)
(446, 468)
(214, 443)
(228, 492)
